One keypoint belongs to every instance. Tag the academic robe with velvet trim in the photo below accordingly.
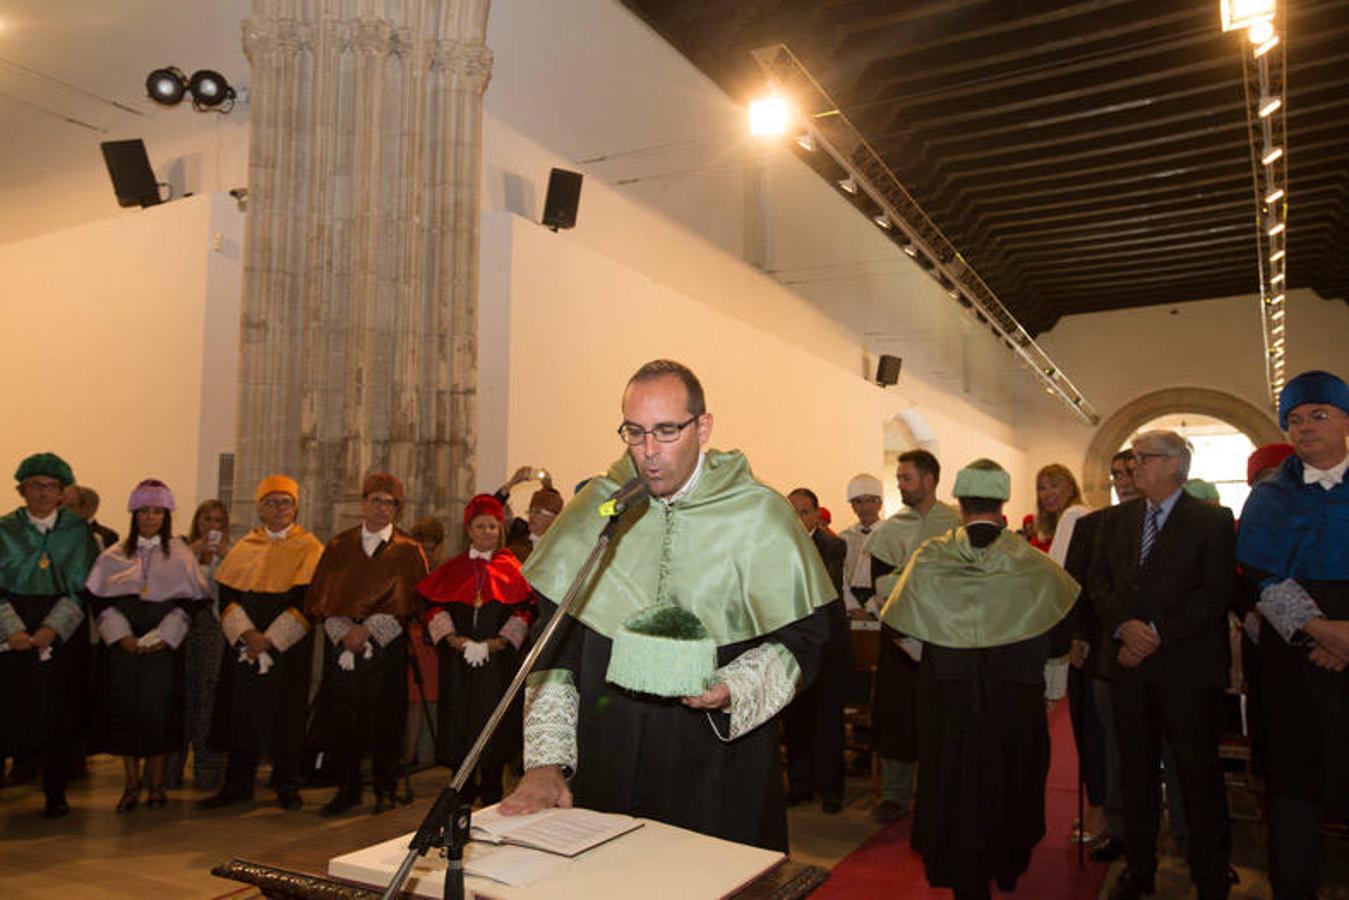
(266, 579)
(43, 701)
(983, 602)
(482, 598)
(1290, 529)
(364, 708)
(732, 551)
(140, 700)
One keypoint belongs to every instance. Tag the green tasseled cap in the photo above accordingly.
(1200, 489)
(48, 464)
(663, 650)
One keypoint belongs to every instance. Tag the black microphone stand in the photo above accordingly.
(448, 822)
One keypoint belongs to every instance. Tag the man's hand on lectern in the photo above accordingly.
(540, 788)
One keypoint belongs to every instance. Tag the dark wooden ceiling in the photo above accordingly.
(1081, 156)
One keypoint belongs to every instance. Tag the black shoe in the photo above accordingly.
(888, 811)
(56, 808)
(342, 801)
(1132, 887)
(1108, 849)
(384, 801)
(289, 799)
(831, 805)
(221, 798)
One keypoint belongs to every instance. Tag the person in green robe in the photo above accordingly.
(45, 555)
(984, 603)
(894, 704)
(711, 541)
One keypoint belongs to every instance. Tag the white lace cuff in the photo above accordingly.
(440, 626)
(552, 705)
(336, 627)
(10, 622)
(234, 622)
(112, 626)
(514, 631)
(762, 682)
(384, 628)
(287, 629)
(173, 628)
(1056, 678)
(65, 617)
(1287, 606)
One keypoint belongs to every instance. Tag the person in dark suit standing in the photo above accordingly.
(1162, 575)
(813, 722)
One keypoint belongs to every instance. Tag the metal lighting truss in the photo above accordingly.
(1265, 68)
(904, 220)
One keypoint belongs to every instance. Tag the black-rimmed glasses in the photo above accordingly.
(664, 432)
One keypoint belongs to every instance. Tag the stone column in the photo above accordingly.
(358, 332)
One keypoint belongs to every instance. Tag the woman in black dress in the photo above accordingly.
(143, 590)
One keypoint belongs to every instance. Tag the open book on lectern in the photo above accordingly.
(566, 832)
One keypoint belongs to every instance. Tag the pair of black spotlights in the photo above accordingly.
(209, 89)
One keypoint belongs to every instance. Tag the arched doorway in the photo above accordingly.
(1255, 423)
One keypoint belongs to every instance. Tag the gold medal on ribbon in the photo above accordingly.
(44, 562)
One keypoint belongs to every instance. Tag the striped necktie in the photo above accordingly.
(1149, 532)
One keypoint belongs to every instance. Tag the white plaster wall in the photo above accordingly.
(573, 324)
(118, 344)
(1116, 357)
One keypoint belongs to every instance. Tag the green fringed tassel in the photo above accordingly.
(664, 650)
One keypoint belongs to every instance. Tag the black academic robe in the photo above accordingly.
(983, 759)
(140, 703)
(656, 758)
(257, 713)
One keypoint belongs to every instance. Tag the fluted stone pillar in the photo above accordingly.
(358, 333)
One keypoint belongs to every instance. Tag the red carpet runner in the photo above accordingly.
(885, 866)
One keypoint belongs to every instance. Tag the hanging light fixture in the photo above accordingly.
(166, 85)
(210, 91)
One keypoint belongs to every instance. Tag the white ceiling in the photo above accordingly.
(72, 74)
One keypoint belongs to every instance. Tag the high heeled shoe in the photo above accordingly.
(156, 798)
(130, 798)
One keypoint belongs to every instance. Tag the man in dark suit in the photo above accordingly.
(813, 723)
(1162, 576)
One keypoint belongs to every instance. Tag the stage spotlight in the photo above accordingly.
(166, 85)
(210, 90)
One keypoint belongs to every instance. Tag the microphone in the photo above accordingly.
(634, 491)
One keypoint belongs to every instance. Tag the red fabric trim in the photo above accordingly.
(456, 581)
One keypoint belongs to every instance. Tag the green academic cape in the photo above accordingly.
(954, 594)
(901, 534)
(732, 551)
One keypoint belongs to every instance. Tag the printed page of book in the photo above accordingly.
(563, 831)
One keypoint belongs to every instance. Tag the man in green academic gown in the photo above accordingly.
(983, 602)
(894, 701)
(715, 542)
(45, 554)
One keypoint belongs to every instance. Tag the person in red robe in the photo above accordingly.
(478, 610)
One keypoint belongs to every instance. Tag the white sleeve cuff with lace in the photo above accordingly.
(112, 626)
(440, 626)
(65, 617)
(1287, 606)
(514, 631)
(1056, 678)
(173, 628)
(762, 681)
(287, 629)
(234, 622)
(384, 628)
(552, 705)
(336, 627)
(10, 622)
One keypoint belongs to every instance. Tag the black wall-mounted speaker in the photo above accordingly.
(887, 370)
(564, 196)
(132, 177)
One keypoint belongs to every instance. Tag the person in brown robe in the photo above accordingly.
(364, 590)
